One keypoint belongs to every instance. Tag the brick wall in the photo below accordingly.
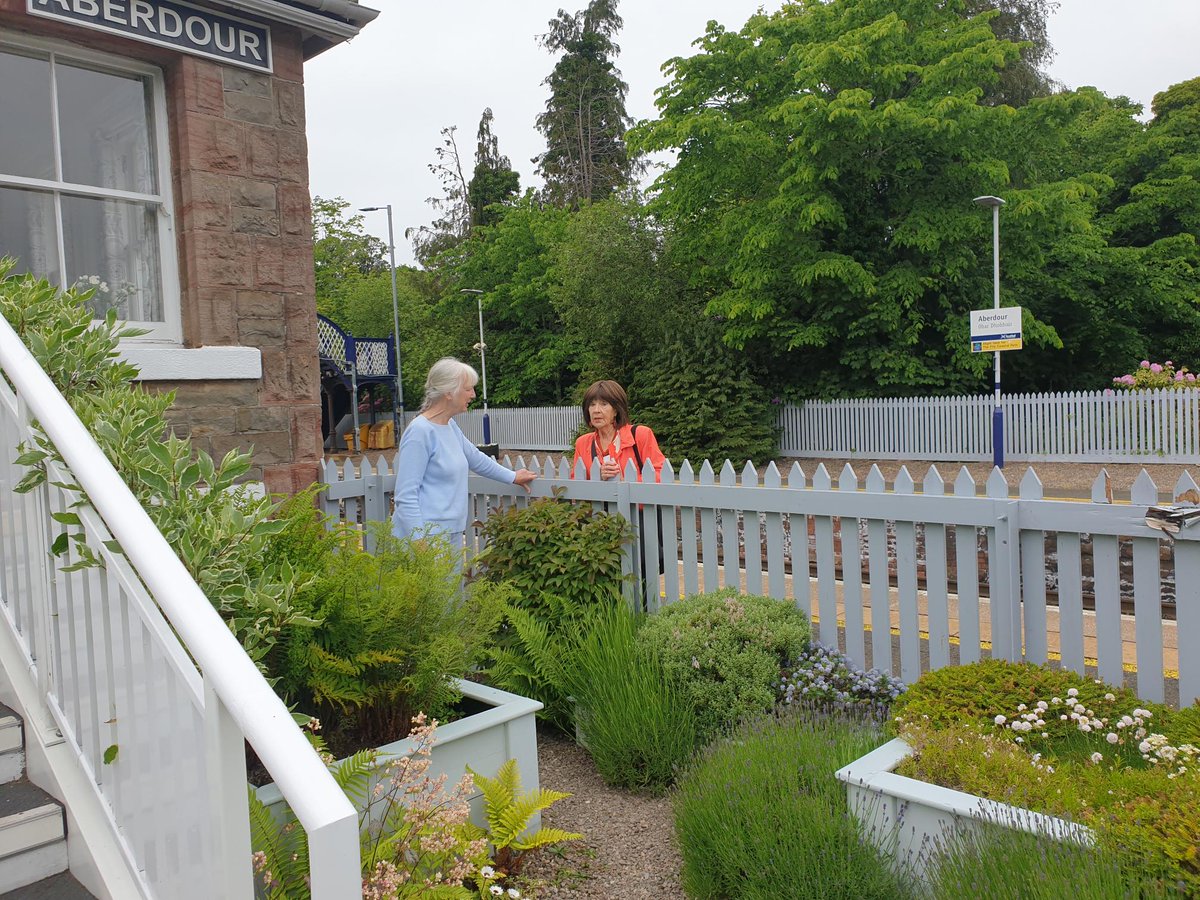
(243, 221)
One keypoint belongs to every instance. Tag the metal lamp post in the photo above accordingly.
(997, 413)
(482, 348)
(398, 405)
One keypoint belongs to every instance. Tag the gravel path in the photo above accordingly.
(628, 850)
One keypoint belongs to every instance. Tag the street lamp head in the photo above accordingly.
(988, 201)
(371, 208)
(470, 291)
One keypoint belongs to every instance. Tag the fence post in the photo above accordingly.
(375, 502)
(1004, 570)
(630, 556)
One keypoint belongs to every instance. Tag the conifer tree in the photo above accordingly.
(585, 118)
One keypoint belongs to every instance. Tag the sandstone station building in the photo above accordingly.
(158, 147)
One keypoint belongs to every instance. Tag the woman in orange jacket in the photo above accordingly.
(612, 439)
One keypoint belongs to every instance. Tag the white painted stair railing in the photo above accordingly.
(131, 659)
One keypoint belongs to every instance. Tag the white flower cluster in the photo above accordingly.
(1155, 750)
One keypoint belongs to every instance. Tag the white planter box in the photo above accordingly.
(912, 819)
(484, 741)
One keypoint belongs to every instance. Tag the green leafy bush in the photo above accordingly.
(761, 816)
(395, 631)
(563, 560)
(726, 651)
(982, 690)
(219, 530)
(640, 726)
(553, 547)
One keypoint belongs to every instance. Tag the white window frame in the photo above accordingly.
(169, 331)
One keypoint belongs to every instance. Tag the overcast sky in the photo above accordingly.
(376, 105)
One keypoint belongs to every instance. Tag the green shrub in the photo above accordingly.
(395, 631)
(761, 816)
(640, 728)
(980, 691)
(727, 652)
(554, 547)
(219, 530)
(563, 560)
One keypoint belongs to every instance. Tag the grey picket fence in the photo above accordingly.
(1082, 426)
(945, 571)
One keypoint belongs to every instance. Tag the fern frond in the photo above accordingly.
(353, 775)
(285, 848)
(543, 837)
(515, 817)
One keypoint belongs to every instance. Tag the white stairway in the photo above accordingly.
(33, 843)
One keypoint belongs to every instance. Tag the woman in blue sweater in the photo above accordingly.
(435, 457)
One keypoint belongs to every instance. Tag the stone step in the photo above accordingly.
(12, 746)
(58, 887)
(33, 827)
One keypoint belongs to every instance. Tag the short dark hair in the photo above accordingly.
(612, 394)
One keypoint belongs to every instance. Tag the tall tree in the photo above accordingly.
(827, 157)
(585, 119)
(454, 224)
(342, 252)
(494, 180)
(1024, 23)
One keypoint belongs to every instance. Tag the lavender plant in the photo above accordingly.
(823, 675)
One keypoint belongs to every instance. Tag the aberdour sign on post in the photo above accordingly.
(995, 329)
(168, 23)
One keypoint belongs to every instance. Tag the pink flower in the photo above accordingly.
(1168, 364)
(1155, 368)
(1189, 377)
(1128, 379)
(1108, 392)
(1145, 363)
(1179, 376)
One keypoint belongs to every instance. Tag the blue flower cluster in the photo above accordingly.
(824, 675)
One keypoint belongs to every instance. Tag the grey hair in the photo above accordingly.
(445, 377)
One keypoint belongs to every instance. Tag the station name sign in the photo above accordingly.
(168, 23)
(996, 329)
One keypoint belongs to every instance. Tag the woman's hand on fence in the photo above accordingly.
(609, 469)
(524, 477)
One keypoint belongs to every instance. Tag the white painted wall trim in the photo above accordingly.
(164, 363)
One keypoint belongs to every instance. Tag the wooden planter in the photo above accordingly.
(505, 728)
(913, 819)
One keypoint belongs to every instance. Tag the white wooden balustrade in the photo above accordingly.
(152, 694)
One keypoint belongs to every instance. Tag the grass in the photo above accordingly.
(998, 863)
(640, 728)
(760, 816)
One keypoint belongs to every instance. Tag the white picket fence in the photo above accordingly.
(1091, 426)
(963, 572)
(1159, 426)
